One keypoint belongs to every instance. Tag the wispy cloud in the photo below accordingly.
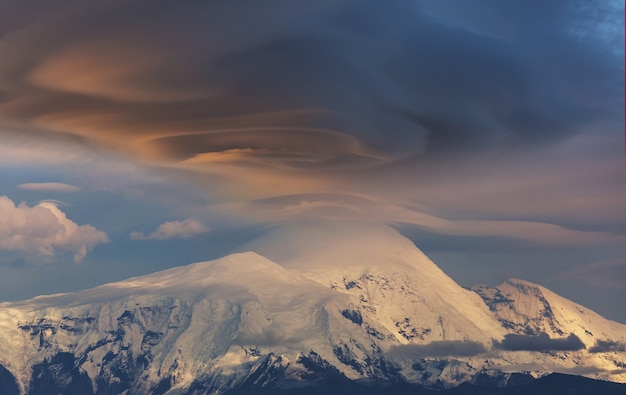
(48, 187)
(173, 230)
(609, 273)
(44, 230)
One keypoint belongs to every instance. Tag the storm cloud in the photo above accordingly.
(608, 346)
(540, 342)
(329, 85)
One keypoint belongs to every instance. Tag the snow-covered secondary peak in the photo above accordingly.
(241, 271)
(530, 311)
(529, 308)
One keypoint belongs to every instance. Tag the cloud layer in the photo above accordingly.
(44, 230)
(441, 110)
(438, 349)
(330, 85)
(610, 273)
(608, 346)
(540, 342)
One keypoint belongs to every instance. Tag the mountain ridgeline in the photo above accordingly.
(309, 311)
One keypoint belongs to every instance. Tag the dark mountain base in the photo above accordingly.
(554, 384)
(8, 384)
(60, 375)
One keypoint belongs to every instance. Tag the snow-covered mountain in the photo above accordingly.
(302, 305)
(593, 345)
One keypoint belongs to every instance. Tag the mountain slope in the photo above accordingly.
(409, 295)
(530, 309)
(182, 321)
(329, 304)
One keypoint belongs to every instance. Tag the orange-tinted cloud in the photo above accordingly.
(174, 82)
(402, 104)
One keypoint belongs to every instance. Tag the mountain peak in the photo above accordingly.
(238, 271)
(531, 309)
(331, 250)
(517, 282)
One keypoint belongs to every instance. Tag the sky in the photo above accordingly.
(140, 135)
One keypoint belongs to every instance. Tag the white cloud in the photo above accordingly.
(48, 187)
(173, 230)
(44, 230)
